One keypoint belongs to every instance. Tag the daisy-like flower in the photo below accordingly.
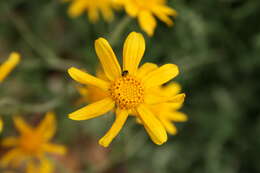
(5, 69)
(93, 8)
(167, 112)
(32, 145)
(9, 65)
(146, 11)
(129, 89)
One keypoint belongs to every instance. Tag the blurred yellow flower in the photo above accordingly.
(167, 112)
(93, 8)
(146, 11)
(32, 145)
(9, 65)
(128, 89)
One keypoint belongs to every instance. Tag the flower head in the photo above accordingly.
(32, 144)
(128, 89)
(93, 8)
(146, 11)
(9, 65)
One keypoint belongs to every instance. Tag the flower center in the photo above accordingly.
(127, 91)
(31, 144)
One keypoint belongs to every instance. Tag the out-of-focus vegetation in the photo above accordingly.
(217, 47)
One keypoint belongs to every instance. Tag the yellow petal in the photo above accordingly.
(170, 128)
(107, 13)
(147, 22)
(107, 59)
(163, 13)
(151, 98)
(44, 166)
(9, 65)
(131, 8)
(9, 142)
(133, 52)
(121, 116)
(93, 14)
(85, 78)
(155, 129)
(177, 117)
(77, 8)
(47, 127)
(179, 98)
(9, 157)
(93, 110)
(161, 75)
(152, 137)
(1, 125)
(146, 69)
(22, 126)
(171, 89)
(54, 148)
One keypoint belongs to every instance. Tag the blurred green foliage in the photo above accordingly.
(217, 47)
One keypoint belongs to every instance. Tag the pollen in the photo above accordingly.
(127, 91)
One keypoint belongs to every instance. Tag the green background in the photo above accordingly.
(216, 45)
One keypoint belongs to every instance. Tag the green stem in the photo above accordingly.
(117, 32)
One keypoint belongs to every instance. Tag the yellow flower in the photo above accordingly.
(8, 65)
(146, 11)
(128, 89)
(32, 145)
(93, 8)
(167, 112)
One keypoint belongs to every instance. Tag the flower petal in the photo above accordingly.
(54, 148)
(147, 22)
(93, 15)
(145, 69)
(107, 13)
(152, 137)
(76, 8)
(177, 116)
(133, 52)
(131, 9)
(85, 78)
(170, 127)
(93, 110)
(161, 75)
(154, 127)
(163, 13)
(9, 142)
(47, 127)
(107, 59)
(22, 126)
(156, 99)
(1, 125)
(9, 65)
(121, 117)
(10, 156)
(172, 89)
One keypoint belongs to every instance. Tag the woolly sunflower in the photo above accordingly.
(128, 89)
(93, 8)
(32, 145)
(146, 11)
